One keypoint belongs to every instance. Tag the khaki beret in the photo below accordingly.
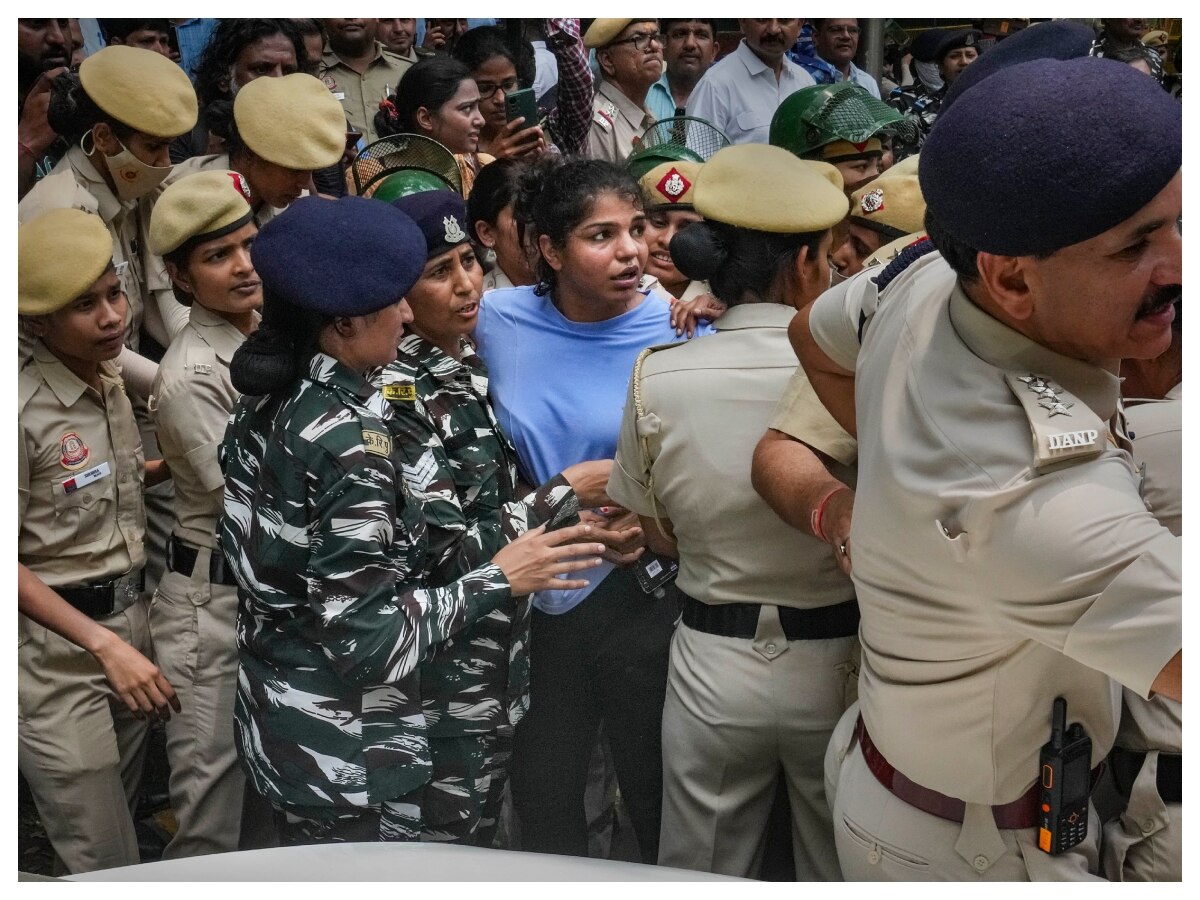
(828, 171)
(1156, 38)
(894, 202)
(205, 204)
(293, 121)
(141, 89)
(768, 189)
(669, 185)
(60, 254)
(603, 31)
(906, 166)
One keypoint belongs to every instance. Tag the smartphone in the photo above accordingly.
(521, 103)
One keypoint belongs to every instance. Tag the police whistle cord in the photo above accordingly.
(907, 257)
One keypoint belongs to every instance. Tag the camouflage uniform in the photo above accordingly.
(332, 622)
(475, 686)
(916, 101)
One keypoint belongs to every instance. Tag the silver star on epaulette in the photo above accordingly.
(1055, 406)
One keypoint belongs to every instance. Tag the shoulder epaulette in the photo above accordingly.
(1063, 428)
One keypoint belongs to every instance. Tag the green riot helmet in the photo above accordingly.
(402, 153)
(642, 161)
(408, 181)
(815, 116)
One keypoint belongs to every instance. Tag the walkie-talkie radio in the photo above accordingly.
(1066, 784)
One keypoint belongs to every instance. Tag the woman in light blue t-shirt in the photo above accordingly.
(560, 354)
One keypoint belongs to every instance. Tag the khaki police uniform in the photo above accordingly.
(616, 121)
(738, 708)
(993, 474)
(79, 493)
(75, 184)
(1146, 842)
(192, 616)
(360, 94)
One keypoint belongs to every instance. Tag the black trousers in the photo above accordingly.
(603, 661)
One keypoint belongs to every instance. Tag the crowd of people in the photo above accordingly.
(457, 434)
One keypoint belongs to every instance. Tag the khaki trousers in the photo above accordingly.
(882, 838)
(78, 746)
(738, 711)
(192, 623)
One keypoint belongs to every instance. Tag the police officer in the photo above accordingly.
(283, 130)
(668, 202)
(82, 633)
(764, 658)
(326, 543)
(630, 55)
(475, 688)
(1004, 556)
(203, 227)
(955, 50)
(836, 123)
(885, 210)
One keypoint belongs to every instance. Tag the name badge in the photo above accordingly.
(339, 95)
(399, 392)
(83, 479)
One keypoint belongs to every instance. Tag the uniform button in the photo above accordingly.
(873, 856)
(981, 862)
(770, 648)
(1148, 826)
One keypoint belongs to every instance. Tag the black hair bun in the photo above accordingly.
(698, 251)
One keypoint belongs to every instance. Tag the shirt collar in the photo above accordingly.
(755, 315)
(440, 365)
(66, 385)
(324, 369)
(1001, 346)
(330, 58)
(218, 333)
(756, 66)
(108, 206)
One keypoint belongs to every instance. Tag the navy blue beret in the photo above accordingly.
(955, 38)
(345, 257)
(441, 216)
(1046, 40)
(925, 44)
(1048, 153)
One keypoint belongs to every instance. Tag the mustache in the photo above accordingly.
(1160, 299)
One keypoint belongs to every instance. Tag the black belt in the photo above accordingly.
(181, 558)
(1126, 764)
(99, 601)
(740, 620)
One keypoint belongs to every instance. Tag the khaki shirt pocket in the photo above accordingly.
(85, 516)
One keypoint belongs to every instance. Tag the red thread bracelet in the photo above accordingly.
(817, 514)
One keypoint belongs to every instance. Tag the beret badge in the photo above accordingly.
(673, 185)
(872, 201)
(454, 232)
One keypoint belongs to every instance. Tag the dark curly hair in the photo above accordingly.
(735, 260)
(227, 41)
(72, 113)
(555, 195)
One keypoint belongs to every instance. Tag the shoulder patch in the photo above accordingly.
(400, 392)
(601, 118)
(376, 442)
(1063, 428)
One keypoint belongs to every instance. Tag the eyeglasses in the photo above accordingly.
(487, 89)
(641, 41)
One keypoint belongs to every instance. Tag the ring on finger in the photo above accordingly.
(842, 549)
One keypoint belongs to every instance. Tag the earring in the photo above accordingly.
(83, 137)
